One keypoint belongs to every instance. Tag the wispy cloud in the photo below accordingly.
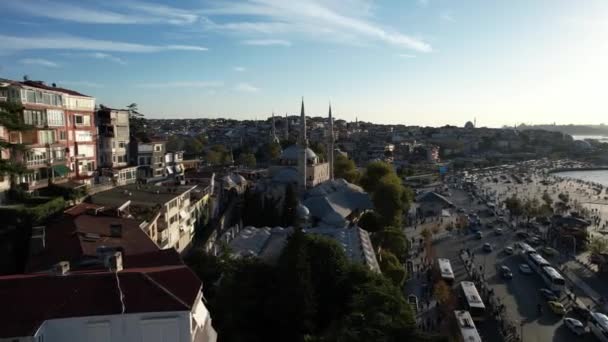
(239, 68)
(447, 16)
(130, 12)
(327, 20)
(81, 84)
(181, 84)
(97, 55)
(39, 62)
(12, 43)
(406, 55)
(423, 3)
(267, 42)
(246, 87)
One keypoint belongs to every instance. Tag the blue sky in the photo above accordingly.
(417, 62)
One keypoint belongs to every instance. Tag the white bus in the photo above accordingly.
(598, 324)
(468, 332)
(553, 279)
(472, 300)
(537, 262)
(445, 268)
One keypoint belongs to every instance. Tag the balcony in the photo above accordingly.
(45, 162)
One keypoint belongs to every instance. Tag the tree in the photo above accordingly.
(442, 292)
(564, 197)
(319, 149)
(547, 199)
(137, 123)
(247, 159)
(10, 119)
(175, 143)
(391, 267)
(289, 206)
(345, 168)
(393, 240)
(373, 172)
(426, 234)
(531, 208)
(514, 205)
(370, 221)
(598, 245)
(192, 147)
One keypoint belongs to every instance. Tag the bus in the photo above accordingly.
(598, 324)
(472, 300)
(468, 332)
(537, 262)
(526, 249)
(445, 268)
(553, 279)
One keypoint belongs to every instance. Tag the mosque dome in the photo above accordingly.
(469, 125)
(292, 153)
(302, 212)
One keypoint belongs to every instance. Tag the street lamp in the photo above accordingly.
(521, 331)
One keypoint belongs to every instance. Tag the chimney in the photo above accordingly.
(61, 268)
(113, 261)
(116, 230)
(54, 85)
(37, 240)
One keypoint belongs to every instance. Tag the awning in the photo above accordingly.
(60, 170)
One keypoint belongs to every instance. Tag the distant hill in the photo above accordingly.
(570, 129)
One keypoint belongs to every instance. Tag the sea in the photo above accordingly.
(596, 176)
(600, 138)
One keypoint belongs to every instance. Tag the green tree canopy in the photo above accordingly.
(370, 221)
(391, 267)
(373, 172)
(247, 159)
(393, 240)
(345, 168)
(514, 205)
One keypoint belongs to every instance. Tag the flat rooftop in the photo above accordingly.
(140, 195)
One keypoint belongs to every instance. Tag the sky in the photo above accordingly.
(413, 62)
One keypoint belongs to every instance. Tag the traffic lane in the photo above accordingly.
(521, 296)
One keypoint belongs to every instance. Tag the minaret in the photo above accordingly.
(286, 127)
(273, 132)
(330, 145)
(302, 146)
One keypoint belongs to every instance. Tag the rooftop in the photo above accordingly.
(140, 195)
(77, 239)
(35, 298)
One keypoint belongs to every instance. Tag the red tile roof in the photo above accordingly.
(76, 240)
(29, 300)
(39, 85)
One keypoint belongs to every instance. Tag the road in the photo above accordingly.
(519, 295)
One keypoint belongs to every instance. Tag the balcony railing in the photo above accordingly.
(47, 162)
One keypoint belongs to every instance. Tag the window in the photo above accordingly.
(39, 97)
(84, 136)
(58, 154)
(62, 135)
(157, 148)
(46, 99)
(31, 96)
(121, 144)
(46, 137)
(55, 117)
(34, 117)
(82, 120)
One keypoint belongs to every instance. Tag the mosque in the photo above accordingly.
(300, 165)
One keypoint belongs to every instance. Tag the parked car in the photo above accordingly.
(478, 235)
(548, 294)
(557, 307)
(509, 250)
(581, 312)
(522, 235)
(533, 241)
(487, 247)
(549, 251)
(525, 269)
(576, 326)
(498, 231)
(506, 272)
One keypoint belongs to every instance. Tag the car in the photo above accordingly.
(549, 251)
(533, 241)
(498, 231)
(461, 210)
(489, 225)
(548, 294)
(556, 307)
(525, 269)
(487, 247)
(506, 272)
(522, 234)
(413, 300)
(581, 312)
(576, 326)
(478, 235)
(509, 250)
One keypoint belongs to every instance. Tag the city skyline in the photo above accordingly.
(415, 63)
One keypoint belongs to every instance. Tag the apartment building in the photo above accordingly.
(54, 153)
(149, 156)
(113, 142)
(170, 213)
